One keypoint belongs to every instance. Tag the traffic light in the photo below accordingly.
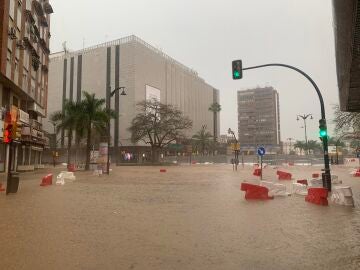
(16, 134)
(8, 128)
(237, 69)
(323, 129)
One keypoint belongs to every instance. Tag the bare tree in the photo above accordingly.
(158, 125)
(346, 121)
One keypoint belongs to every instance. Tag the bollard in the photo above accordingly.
(1, 188)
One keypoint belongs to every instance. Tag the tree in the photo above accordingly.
(93, 116)
(300, 145)
(215, 108)
(202, 139)
(313, 146)
(346, 121)
(67, 120)
(83, 117)
(158, 125)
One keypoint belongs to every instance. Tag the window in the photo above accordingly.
(12, 9)
(15, 101)
(19, 15)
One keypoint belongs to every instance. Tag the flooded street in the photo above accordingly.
(192, 217)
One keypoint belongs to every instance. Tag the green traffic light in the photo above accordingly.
(236, 74)
(323, 133)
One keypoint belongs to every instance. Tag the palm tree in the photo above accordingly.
(93, 116)
(215, 108)
(300, 145)
(67, 120)
(202, 138)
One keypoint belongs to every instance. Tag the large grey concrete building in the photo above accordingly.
(143, 70)
(259, 119)
(347, 41)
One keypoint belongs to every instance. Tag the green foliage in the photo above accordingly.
(215, 107)
(158, 125)
(84, 117)
(202, 140)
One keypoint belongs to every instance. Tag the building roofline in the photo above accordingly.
(62, 55)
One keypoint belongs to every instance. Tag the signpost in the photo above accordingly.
(261, 152)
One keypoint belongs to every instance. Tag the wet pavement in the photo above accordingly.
(191, 217)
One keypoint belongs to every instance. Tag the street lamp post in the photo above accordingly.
(111, 94)
(304, 117)
(236, 151)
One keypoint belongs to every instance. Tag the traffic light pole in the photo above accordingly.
(327, 172)
(9, 165)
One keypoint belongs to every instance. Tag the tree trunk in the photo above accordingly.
(69, 147)
(88, 149)
(215, 131)
(155, 154)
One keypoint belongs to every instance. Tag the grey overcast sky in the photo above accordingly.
(207, 35)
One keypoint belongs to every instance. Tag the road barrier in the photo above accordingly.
(257, 172)
(299, 189)
(162, 170)
(317, 196)
(274, 188)
(255, 192)
(303, 182)
(47, 180)
(315, 175)
(283, 175)
(342, 196)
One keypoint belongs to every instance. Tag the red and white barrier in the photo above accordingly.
(274, 188)
(317, 196)
(255, 192)
(299, 189)
(342, 196)
(47, 180)
(283, 175)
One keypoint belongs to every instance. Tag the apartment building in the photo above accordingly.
(259, 119)
(24, 62)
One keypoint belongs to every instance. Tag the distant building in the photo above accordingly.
(259, 120)
(24, 58)
(225, 138)
(143, 70)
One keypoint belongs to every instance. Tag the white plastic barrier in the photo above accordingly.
(60, 179)
(299, 189)
(316, 183)
(275, 189)
(342, 196)
(335, 180)
(97, 172)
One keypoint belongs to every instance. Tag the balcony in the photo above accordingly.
(36, 108)
(38, 8)
(47, 7)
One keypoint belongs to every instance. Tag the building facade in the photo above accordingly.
(24, 59)
(143, 70)
(259, 120)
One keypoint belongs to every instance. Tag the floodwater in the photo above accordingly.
(191, 217)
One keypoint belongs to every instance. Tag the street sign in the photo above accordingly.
(261, 151)
(235, 146)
